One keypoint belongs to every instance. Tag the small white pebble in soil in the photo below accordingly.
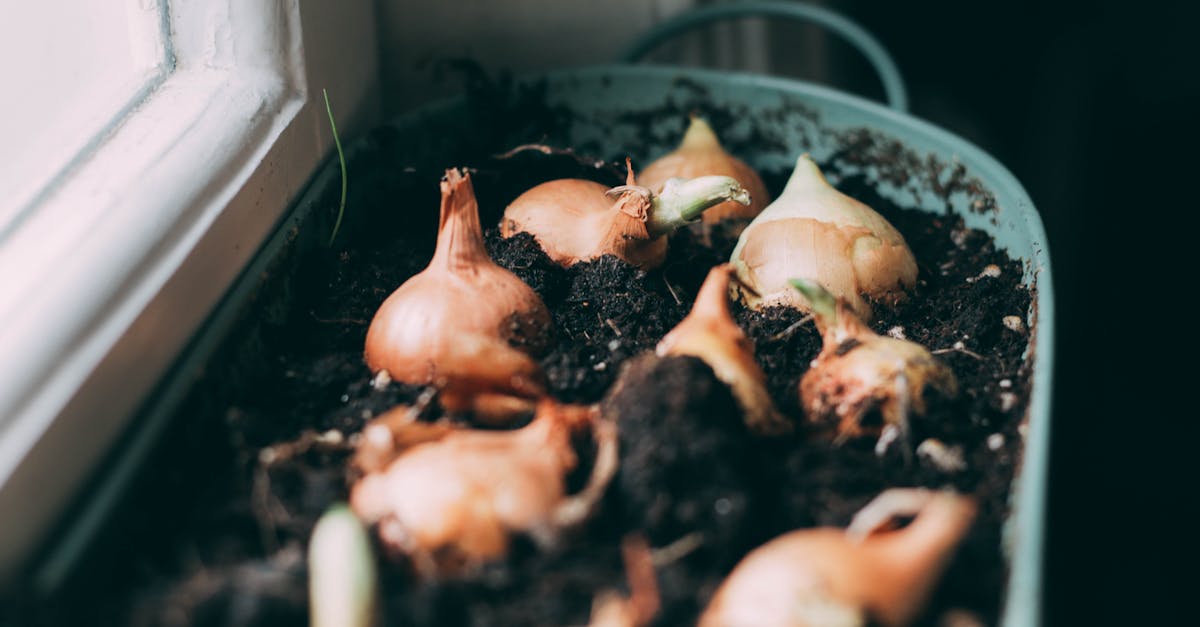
(367, 414)
(377, 435)
(1005, 384)
(1023, 429)
(723, 506)
(600, 367)
(614, 345)
(381, 380)
(896, 332)
(944, 458)
(1007, 401)
(959, 346)
(1014, 323)
(267, 456)
(332, 436)
(991, 271)
(995, 441)
(345, 398)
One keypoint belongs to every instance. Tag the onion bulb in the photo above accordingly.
(576, 220)
(700, 154)
(831, 577)
(463, 324)
(452, 497)
(710, 333)
(858, 370)
(813, 230)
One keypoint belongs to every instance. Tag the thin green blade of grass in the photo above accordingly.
(342, 162)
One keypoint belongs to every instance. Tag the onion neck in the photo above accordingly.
(805, 177)
(683, 201)
(460, 235)
(700, 136)
(552, 427)
(712, 303)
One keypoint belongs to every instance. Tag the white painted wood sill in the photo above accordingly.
(125, 253)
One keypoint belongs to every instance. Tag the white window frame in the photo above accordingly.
(122, 259)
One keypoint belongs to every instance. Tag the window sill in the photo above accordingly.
(107, 280)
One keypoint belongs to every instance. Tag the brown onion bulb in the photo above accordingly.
(576, 220)
(451, 498)
(858, 370)
(458, 323)
(830, 577)
(710, 333)
(699, 154)
(813, 230)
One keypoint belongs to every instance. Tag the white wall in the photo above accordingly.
(529, 35)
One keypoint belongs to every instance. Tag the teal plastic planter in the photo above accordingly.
(912, 161)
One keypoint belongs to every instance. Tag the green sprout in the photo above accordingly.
(343, 588)
(342, 162)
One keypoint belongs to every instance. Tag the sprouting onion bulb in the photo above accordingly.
(858, 370)
(342, 587)
(458, 323)
(813, 230)
(576, 220)
(451, 498)
(831, 577)
(710, 333)
(701, 154)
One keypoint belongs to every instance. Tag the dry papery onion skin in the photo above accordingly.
(577, 220)
(858, 576)
(710, 333)
(858, 371)
(458, 323)
(450, 498)
(611, 609)
(700, 154)
(813, 230)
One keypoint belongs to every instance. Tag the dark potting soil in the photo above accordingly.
(215, 529)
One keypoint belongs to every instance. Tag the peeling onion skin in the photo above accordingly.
(813, 230)
(827, 577)
(858, 370)
(454, 324)
(611, 609)
(710, 333)
(454, 498)
(700, 153)
(576, 220)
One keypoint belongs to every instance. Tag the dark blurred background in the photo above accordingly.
(1091, 105)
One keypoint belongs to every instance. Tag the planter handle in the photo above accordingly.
(863, 41)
